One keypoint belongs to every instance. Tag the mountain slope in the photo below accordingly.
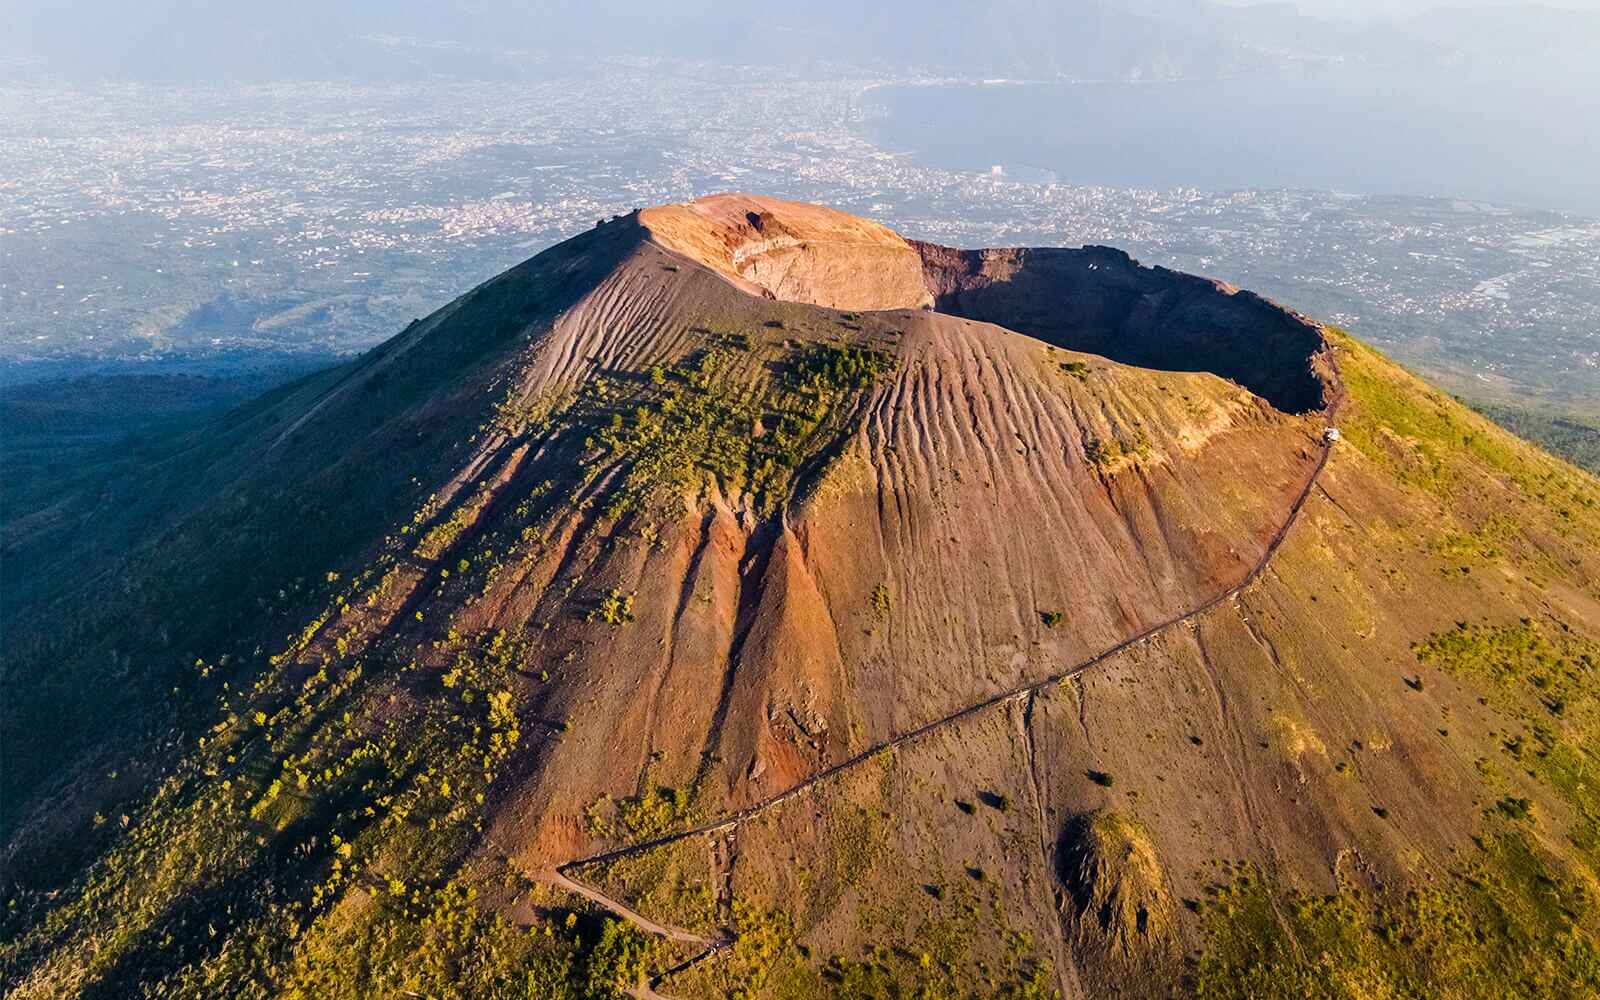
(699, 600)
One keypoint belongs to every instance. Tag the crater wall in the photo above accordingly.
(1096, 300)
(1101, 301)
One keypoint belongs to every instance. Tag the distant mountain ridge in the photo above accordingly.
(182, 41)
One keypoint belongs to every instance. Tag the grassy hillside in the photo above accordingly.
(1572, 437)
(1513, 907)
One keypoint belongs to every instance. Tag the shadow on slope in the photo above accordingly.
(1101, 301)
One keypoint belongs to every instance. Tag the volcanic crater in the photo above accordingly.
(1095, 300)
(835, 613)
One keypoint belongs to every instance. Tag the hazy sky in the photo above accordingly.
(1396, 8)
(202, 40)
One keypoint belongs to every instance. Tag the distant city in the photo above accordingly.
(217, 229)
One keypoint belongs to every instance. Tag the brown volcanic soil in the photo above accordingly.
(967, 495)
(1059, 614)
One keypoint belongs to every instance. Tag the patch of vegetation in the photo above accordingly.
(712, 417)
(855, 838)
(441, 537)
(766, 959)
(1513, 655)
(828, 368)
(1508, 922)
(1480, 545)
(616, 608)
(1051, 619)
(936, 958)
(881, 602)
(618, 962)
(1573, 437)
(444, 945)
(1514, 808)
(1544, 676)
(640, 817)
(314, 790)
(932, 959)
(1109, 455)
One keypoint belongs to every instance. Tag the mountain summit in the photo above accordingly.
(742, 599)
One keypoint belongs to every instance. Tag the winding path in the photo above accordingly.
(560, 875)
(639, 920)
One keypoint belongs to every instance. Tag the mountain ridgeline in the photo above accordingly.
(740, 599)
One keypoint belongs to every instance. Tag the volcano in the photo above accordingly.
(741, 599)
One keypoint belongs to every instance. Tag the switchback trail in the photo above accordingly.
(560, 875)
(639, 920)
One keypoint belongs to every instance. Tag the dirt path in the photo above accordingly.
(556, 878)
(559, 877)
(1013, 694)
(646, 988)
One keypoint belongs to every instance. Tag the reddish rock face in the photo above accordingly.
(794, 252)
